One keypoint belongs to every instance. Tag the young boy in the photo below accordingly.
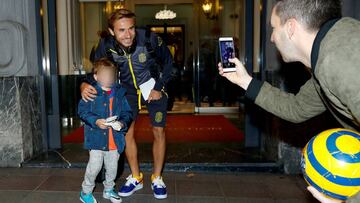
(107, 119)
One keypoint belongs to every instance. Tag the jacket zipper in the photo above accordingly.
(134, 80)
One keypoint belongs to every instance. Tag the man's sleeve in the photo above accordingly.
(89, 78)
(165, 57)
(100, 52)
(294, 108)
(354, 199)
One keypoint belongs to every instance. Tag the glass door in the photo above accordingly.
(206, 123)
(216, 19)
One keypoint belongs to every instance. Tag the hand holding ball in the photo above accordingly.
(331, 163)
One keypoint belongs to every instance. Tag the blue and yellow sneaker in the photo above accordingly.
(158, 186)
(132, 185)
(112, 196)
(87, 198)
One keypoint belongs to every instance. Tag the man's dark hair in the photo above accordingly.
(119, 14)
(311, 13)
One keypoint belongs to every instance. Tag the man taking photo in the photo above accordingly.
(313, 33)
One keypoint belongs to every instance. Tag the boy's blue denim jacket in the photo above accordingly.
(95, 137)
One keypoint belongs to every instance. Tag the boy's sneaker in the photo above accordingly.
(112, 196)
(87, 198)
(132, 185)
(159, 188)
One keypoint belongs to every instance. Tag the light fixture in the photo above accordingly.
(112, 5)
(165, 14)
(119, 5)
(211, 10)
(207, 6)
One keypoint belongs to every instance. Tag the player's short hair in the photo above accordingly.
(119, 14)
(311, 13)
(103, 64)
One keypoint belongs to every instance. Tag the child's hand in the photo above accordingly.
(101, 123)
(117, 125)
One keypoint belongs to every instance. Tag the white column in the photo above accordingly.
(64, 41)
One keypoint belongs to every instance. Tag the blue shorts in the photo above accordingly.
(157, 109)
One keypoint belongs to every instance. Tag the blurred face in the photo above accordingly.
(105, 77)
(124, 31)
(281, 38)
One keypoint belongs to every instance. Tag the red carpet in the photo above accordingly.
(180, 128)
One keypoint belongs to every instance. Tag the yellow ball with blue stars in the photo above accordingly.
(331, 163)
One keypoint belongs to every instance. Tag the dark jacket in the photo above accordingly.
(89, 112)
(137, 65)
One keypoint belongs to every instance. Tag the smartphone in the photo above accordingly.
(227, 51)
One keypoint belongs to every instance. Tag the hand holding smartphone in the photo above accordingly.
(227, 51)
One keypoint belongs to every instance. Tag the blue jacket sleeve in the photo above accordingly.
(85, 114)
(163, 54)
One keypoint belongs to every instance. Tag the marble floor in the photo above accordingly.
(42, 185)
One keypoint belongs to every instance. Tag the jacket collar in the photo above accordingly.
(115, 88)
(317, 42)
(99, 89)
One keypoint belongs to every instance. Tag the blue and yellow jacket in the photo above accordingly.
(95, 137)
(137, 64)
